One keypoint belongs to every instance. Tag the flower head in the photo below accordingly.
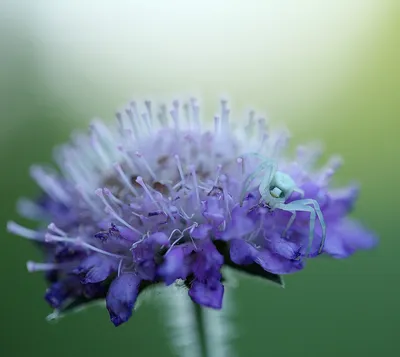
(159, 199)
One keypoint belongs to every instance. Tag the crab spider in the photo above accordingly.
(275, 188)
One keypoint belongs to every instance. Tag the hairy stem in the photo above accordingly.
(196, 331)
(201, 329)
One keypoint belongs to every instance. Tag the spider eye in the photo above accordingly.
(276, 192)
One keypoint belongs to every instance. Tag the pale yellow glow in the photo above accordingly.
(267, 53)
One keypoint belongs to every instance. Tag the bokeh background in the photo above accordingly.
(327, 69)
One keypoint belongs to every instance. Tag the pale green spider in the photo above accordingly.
(275, 188)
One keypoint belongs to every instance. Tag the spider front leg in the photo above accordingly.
(319, 214)
(300, 207)
(289, 224)
(321, 219)
(293, 217)
(265, 165)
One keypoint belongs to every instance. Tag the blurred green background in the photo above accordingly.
(329, 70)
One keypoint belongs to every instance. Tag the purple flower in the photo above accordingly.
(159, 199)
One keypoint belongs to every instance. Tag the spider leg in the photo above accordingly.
(257, 155)
(300, 191)
(320, 216)
(293, 217)
(299, 206)
(265, 182)
(291, 220)
(246, 184)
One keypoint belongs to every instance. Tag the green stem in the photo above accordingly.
(199, 317)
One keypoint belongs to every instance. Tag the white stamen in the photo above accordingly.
(50, 238)
(49, 184)
(103, 133)
(175, 114)
(115, 199)
(262, 130)
(146, 120)
(132, 165)
(99, 149)
(34, 267)
(134, 126)
(195, 109)
(19, 230)
(224, 116)
(100, 192)
(330, 168)
(175, 119)
(219, 167)
(217, 124)
(120, 267)
(134, 245)
(178, 163)
(140, 181)
(109, 210)
(148, 107)
(249, 128)
(280, 143)
(125, 178)
(55, 229)
(193, 172)
(173, 232)
(187, 115)
(191, 228)
(77, 175)
(225, 193)
(239, 161)
(84, 194)
(162, 116)
(29, 209)
(185, 215)
(146, 164)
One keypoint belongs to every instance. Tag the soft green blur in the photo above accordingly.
(330, 72)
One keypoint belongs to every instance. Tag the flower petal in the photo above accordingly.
(277, 264)
(174, 267)
(121, 297)
(346, 238)
(238, 227)
(241, 252)
(201, 232)
(95, 268)
(208, 294)
(213, 212)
